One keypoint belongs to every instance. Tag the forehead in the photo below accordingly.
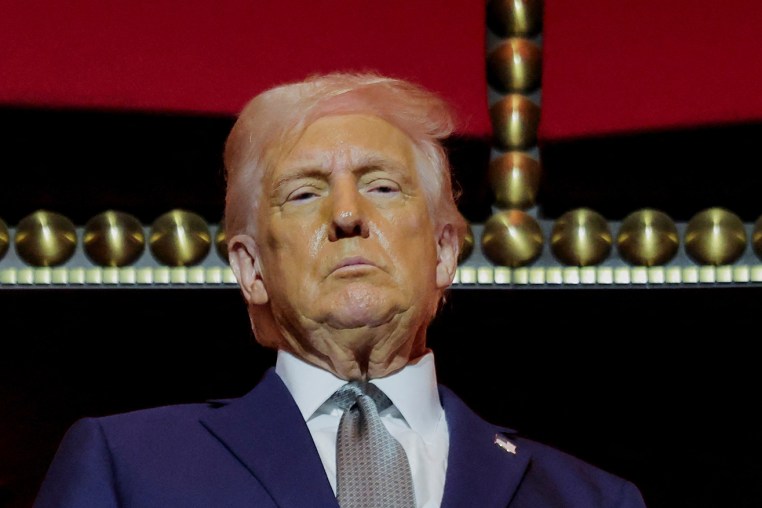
(333, 142)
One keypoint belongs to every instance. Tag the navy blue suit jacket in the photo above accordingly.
(256, 451)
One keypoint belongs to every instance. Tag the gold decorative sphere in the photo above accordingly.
(113, 238)
(647, 237)
(220, 241)
(180, 238)
(515, 119)
(514, 178)
(581, 237)
(512, 238)
(715, 236)
(515, 17)
(515, 66)
(4, 238)
(756, 237)
(45, 238)
(468, 245)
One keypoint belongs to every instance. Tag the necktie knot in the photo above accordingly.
(348, 395)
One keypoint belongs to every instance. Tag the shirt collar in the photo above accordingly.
(412, 390)
(309, 385)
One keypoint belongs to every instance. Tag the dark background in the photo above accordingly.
(657, 385)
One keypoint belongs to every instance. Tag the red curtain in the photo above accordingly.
(210, 57)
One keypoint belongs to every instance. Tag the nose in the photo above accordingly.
(348, 217)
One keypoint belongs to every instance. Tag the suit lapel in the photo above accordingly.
(266, 433)
(479, 472)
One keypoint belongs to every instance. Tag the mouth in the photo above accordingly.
(354, 265)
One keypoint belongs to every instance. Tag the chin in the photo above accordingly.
(363, 305)
(359, 317)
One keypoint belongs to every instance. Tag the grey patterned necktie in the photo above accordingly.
(372, 467)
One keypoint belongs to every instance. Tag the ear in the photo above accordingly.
(447, 256)
(244, 261)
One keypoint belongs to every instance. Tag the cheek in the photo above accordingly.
(295, 245)
(317, 237)
(382, 238)
(409, 242)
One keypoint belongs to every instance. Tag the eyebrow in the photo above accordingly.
(308, 172)
(366, 163)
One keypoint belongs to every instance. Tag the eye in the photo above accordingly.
(383, 187)
(302, 195)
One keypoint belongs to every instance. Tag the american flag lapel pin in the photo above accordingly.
(503, 443)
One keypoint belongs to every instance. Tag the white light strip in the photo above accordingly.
(466, 276)
(117, 277)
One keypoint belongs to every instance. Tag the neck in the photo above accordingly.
(361, 353)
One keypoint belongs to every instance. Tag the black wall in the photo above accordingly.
(657, 385)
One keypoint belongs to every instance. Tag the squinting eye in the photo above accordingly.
(301, 195)
(384, 188)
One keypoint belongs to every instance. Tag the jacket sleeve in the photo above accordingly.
(81, 473)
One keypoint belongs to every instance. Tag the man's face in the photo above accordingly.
(344, 237)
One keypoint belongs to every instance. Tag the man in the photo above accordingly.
(343, 235)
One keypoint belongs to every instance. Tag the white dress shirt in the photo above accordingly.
(416, 418)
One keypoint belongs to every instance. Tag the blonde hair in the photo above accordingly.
(275, 118)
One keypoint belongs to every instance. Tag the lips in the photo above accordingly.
(353, 264)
